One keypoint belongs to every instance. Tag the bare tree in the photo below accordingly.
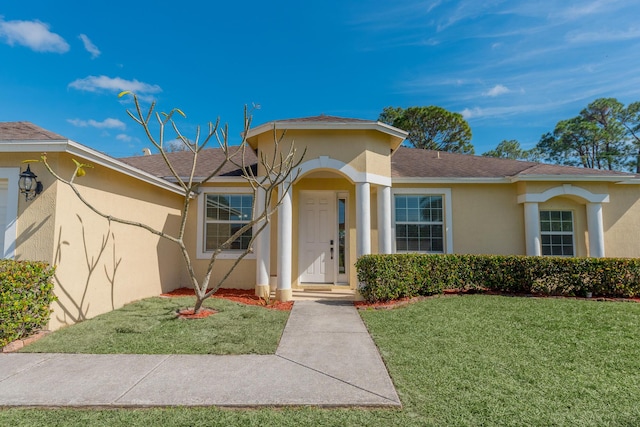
(280, 169)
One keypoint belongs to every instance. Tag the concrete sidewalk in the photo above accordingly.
(325, 358)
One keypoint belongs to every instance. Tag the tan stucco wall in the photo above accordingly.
(365, 151)
(621, 218)
(486, 217)
(57, 228)
(36, 218)
(88, 249)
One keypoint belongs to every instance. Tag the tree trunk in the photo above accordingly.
(198, 305)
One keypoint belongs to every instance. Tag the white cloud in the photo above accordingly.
(89, 46)
(114, 85)
(497, 90)
(604, 36)
(469, 113)
(124, 137)
(587, 9)
(105, 124)
(32, 34)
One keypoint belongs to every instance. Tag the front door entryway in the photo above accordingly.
(318, 248)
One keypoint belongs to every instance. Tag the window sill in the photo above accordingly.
(226, 255)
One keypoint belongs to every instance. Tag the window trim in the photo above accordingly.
(446, 205)
(558, 233)
(201, 253)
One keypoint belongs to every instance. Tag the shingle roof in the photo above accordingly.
(418, 163)
(208, 160)
(322, 118)
(26, 131)
(405, 163)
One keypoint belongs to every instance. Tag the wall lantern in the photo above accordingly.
(29, 185)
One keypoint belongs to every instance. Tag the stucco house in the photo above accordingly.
(358, 191)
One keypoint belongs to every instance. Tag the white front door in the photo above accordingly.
(317, 236)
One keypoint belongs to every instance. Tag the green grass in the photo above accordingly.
(150, 326)
(471, 360)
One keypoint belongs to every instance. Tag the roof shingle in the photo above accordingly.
(26, 131)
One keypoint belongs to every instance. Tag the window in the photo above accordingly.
(419, 222)
(556, 232)
(225, 214)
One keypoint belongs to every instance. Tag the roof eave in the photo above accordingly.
(124, 168)
(450, 180)
(76, 149)
(397, 135)
(580, 178)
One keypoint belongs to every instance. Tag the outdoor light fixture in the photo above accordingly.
(29, 185)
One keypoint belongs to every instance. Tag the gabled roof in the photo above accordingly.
(323, 122)
(25, 137)
(26, 131)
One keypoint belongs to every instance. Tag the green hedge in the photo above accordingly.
(26, 294)
(387, 277)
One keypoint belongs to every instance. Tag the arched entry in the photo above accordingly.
(593, 204)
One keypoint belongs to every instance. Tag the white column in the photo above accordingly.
(532, 229)
(384, 219)
(285, 233)
(363, 219)
(596, 230)
(262, 247)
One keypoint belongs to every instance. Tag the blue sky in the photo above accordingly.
(512, 68)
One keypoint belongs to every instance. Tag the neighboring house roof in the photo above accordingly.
(25, 137)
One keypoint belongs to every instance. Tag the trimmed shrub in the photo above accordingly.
(386, 277)
(26, 294)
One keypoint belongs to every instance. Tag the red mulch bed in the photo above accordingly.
(243, 296)
(382, 305)
(187, 313)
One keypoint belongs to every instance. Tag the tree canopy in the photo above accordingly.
(605, 135)
(431, 128)
(510, 149)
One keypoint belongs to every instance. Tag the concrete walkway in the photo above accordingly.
(325, 358)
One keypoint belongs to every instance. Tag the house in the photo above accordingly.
(358, 191)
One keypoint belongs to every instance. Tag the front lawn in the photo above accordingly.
(150, 327)
(493, 360)
(460, 360)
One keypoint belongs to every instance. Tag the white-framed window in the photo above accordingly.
(556, 233)
(422, 220)
(221, 213)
